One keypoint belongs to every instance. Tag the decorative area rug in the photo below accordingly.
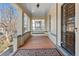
(38, 52)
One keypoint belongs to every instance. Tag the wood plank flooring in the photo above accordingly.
(38, 42)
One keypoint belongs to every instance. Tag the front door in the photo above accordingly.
(67, 27)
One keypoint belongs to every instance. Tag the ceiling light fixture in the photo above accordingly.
(37, 5)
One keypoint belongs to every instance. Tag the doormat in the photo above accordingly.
(38, 52)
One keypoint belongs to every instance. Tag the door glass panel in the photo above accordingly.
(68, 26)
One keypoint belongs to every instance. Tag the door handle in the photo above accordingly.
(76, 29)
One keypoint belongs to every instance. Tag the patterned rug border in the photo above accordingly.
(37, 49)
(34, 48)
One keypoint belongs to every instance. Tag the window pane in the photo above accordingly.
(38, 25)
(8, 17)
(26, 23)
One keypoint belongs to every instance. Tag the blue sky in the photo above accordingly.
(4, 6)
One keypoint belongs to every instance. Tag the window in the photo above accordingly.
(26, 23)
(38, 25)
(49, 23)
(8, 17)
